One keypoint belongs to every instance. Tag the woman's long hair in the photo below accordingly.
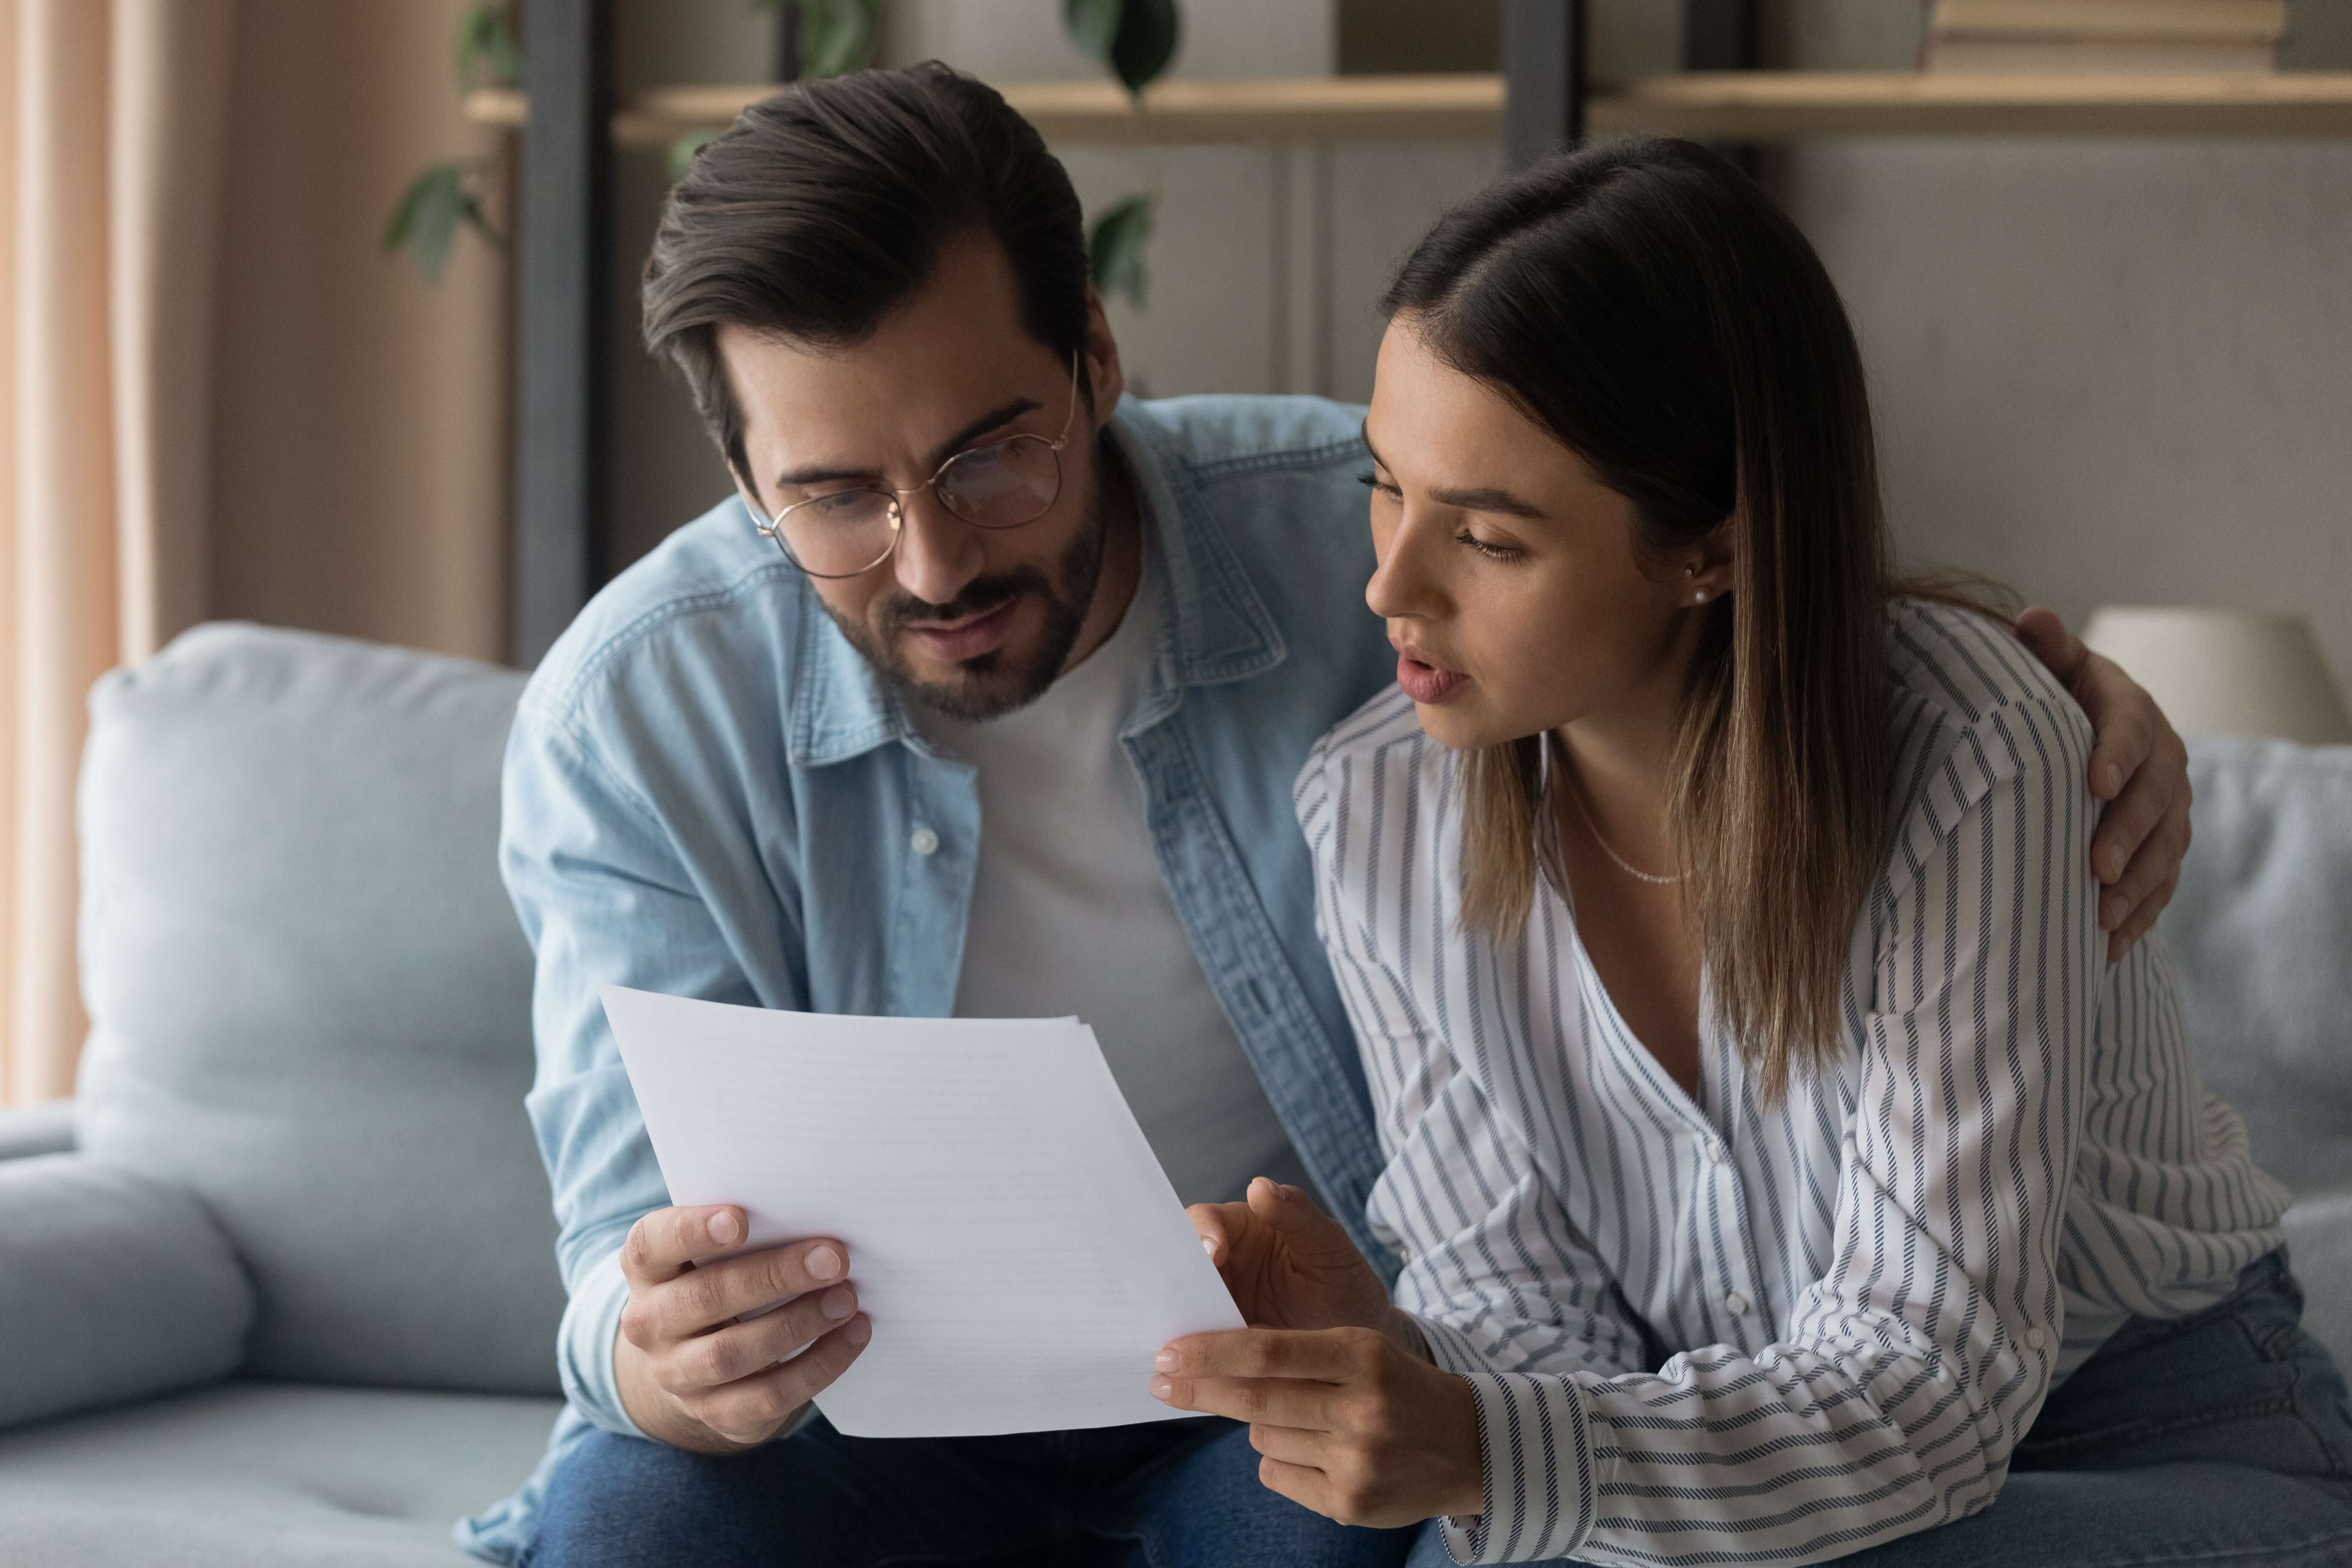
(1644, 302)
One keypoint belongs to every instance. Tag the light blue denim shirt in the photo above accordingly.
(709, 793)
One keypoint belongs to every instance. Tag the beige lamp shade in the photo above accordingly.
(2227, 672)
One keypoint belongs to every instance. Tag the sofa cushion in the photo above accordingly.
(309, 997)
(258, 1474)
(2262, 932)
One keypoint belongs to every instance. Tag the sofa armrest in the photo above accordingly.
(2319, 1246)
(113, 1286)
(36, 1129)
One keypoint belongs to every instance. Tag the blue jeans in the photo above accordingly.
(1166, 1494)
(2219, 1438)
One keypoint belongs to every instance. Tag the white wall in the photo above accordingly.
(2112, 370)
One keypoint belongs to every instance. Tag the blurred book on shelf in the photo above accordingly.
(2102, 37)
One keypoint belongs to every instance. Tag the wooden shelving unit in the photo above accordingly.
(1734, 106)
(1540, 101)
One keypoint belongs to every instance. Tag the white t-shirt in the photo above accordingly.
(1070, 915)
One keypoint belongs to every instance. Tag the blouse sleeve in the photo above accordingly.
(1912, 1368)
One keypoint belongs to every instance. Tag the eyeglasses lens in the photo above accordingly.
(1004, 484)
(841, 535)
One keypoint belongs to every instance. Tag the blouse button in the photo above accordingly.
(2035, 1339)
(1737, 1304)
(1715, 1149)
(924, 841)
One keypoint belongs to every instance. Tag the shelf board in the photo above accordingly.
(1732, 106)
(1776, 106)
(1176, 113)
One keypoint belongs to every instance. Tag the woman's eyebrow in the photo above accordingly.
(1481, 498)
(1486, 497)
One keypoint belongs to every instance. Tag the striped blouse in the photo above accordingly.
(1861, 1298)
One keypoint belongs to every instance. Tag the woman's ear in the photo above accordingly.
(1707, 568)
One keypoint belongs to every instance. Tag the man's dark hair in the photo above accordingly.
(824, 208)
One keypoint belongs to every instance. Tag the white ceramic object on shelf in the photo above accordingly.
(2227, 672)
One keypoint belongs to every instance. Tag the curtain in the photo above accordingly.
(112, 169)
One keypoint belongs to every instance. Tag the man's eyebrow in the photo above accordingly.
(1483, 497)
(802, 478)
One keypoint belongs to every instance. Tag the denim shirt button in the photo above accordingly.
(924, 841)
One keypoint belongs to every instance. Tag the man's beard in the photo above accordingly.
(997, 682)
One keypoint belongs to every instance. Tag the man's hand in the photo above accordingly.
(694, 1376)
(1288, 1264)
(1348, 1424)
(2137, 766)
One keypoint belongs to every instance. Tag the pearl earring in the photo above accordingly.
(1698, 596)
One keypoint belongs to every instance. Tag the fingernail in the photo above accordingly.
(1209, 1247)
(838, 1302)
(823, 1263)
(859, 1331)
(2115, 777)
(1165, 1360)
(1161, 1387)
(2117, 910)
(723, 1228)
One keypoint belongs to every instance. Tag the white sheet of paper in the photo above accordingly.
(1010, 1232)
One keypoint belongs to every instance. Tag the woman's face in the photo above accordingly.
(1508, 575)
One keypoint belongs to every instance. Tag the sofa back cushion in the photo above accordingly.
(2262, 931)
(310, 998)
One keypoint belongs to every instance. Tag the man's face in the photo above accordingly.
(972, 622)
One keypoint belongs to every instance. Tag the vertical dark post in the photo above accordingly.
(788, 42)
(1544, 67)
(567, 183)
(1719, 34)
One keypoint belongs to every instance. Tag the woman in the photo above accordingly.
(1780, 1171)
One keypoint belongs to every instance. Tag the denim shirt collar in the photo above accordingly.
(1214, 628)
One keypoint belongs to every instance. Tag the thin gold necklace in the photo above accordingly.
(1575, 794)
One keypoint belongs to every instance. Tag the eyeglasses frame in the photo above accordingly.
(774, 527)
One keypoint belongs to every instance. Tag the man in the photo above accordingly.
(985, 698)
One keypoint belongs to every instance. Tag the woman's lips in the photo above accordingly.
(1426, 682)
(982, 633)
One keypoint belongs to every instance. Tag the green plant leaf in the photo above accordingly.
(1136, 38)
(838, 35)
(1092, 24)
(1115, 247)
(426, 219)
(487, 44)
(682, 150)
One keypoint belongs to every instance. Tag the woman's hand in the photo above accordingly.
(1349, 1423)
(1288, 1264)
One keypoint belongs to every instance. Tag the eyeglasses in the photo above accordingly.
(1005, 484)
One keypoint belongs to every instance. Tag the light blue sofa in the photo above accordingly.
(280, 1289)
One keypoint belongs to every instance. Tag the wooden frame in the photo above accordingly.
(1541, 102)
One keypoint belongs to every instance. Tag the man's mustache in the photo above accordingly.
(979, 597)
